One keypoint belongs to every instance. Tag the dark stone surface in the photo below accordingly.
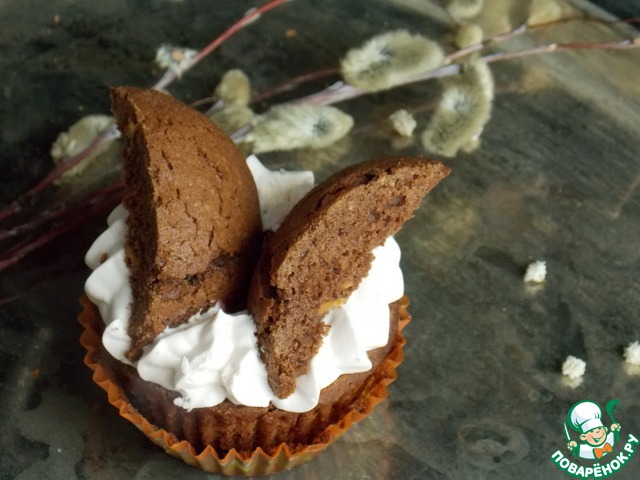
(480, 394)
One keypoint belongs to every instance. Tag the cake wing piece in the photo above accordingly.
(322, 251)
(194, 219)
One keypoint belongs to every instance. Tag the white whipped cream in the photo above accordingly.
(214, 356)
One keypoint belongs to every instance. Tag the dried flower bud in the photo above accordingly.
(463, 111)
(234, 88)
(176, 59)
(388, 59)
(287, 127)
(403, 122)
(464, 9)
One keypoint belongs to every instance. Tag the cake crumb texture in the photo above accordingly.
(194, 221)
(321, 252)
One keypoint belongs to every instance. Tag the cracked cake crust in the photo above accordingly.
(185, 251)
(323, 250)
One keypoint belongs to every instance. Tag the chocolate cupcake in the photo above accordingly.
(233, 375)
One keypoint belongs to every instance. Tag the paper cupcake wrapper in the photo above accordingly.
(257, 462)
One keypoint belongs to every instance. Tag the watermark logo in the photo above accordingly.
(601, 450)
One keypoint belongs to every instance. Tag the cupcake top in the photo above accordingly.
(179, 261)
(214, 356)
(194, 227)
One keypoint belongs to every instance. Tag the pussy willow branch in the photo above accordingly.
(284, 87)
(523, 28)
(63, 210)
(336, 93)
(111, 132)
(295, 82)
(562, 47)
(340, 91)
(170, 76)
(22, 249)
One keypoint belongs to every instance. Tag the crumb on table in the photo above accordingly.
(573, 367)
(632, 353)
(536, 272)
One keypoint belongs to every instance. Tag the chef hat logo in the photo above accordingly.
(585, 416)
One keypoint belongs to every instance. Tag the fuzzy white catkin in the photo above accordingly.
(176, 59)
(388, 59)
(232, 117)
(288, 127)
(234, 88)
(463, 111)
(467, 35)
(464, 9)
(541, 11)
(79, 136)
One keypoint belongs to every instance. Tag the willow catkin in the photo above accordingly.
(175, 59)
(387, 59)
(234, 88)
(463, 111)
(468, 34)
(288, 127)
(231, 118)
(79, 136)
(464, 9)
(541, 11)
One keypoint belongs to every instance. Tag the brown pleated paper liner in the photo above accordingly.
(257, 462)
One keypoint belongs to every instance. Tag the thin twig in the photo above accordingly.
(18, 252)
(170, 75)
(336, 93)
(295, 82)
(486, 43)
(202, 101)
(562, 47)
(340, 91)
(284, 87)
(524, 28)
(50, 215)
(111, 132)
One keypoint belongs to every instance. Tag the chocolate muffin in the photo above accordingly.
(192, 238)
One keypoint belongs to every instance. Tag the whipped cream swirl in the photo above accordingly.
(214, 356)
